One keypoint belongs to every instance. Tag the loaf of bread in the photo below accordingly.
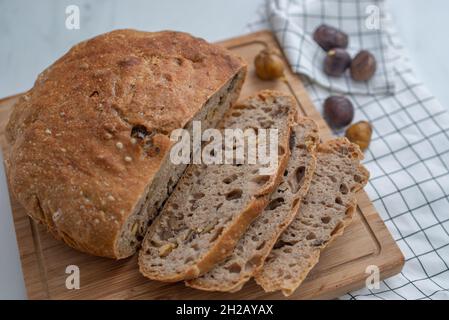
(90, 142)
(326, 210)
(213, 205)
(257, 242)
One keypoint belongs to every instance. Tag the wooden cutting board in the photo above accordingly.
(341, 268)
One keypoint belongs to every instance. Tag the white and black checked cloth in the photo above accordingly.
(409, 153)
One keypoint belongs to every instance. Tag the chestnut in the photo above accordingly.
(360, 134)
(363, 66)
(338, 111)
(329, 37)
(336, 62)
(269, 66)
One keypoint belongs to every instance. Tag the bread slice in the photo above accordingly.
(90, 142)
(213, 205)
(326, 210)
(257, 242)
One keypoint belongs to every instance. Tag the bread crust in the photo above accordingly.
(72, 162)
(226, 242)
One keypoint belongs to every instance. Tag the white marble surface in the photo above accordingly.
(33, 35)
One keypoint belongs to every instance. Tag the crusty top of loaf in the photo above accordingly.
(72, 162)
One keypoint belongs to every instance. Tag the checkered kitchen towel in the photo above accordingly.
(409, 154)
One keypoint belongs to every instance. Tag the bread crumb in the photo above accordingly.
(128, 159)
(108, 135)
(133, 140)
(111, 198)
(119, 145)
(47, 131)
(96, 221)
(63, 149)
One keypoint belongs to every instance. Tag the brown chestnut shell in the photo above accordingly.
(329, 37)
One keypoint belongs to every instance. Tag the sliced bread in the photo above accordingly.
(326, 210)
(257, 242)
(212, 206)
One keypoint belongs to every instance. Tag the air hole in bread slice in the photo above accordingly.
(282, 243)
(287, 250)
(139, 132)
(338, 200)
(267, 109)
(234, 268)
(266, 124)
(310, 236)
(234, 194)
(275, 203)
(198, 195)
(325, 219)
(299, 174)
(344, 188)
